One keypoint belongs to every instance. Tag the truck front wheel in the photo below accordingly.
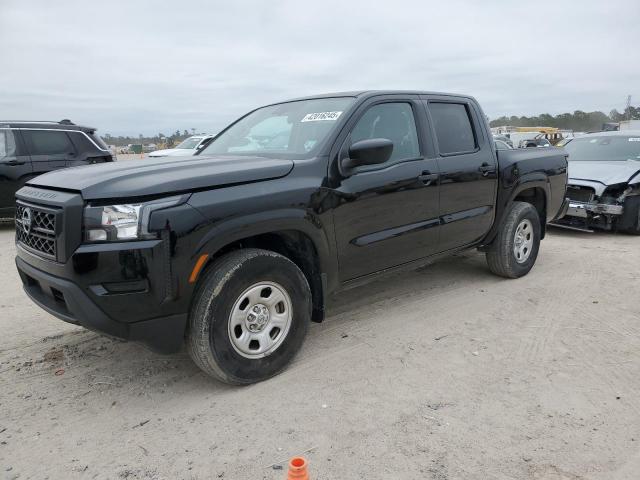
(249, 316)
(630, 220)
(515, 248)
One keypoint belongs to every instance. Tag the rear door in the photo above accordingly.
(15, 167)
(49, 149)
(468, 170)
(386, 214)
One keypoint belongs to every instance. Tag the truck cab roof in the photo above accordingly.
(372, 93)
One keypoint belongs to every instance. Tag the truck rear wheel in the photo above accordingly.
(249, 317)
(515, 248)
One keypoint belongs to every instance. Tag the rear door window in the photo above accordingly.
(48, 142)
(453, 127)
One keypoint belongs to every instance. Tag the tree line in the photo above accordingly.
(578, 121)
(160, 138)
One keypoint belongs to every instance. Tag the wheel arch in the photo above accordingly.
(532, 187)
(293, 234)
(536, 196)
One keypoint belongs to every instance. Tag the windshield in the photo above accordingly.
(618, 148)
(190, 143)
(293, 129)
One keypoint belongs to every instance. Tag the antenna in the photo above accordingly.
(627, 110)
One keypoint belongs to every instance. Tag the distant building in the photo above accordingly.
(630, 125)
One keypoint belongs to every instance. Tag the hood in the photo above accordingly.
(173, 152)
(606, 173)
(136, 178)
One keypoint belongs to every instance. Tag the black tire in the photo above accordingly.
(501, 257)
(630, 220)
(208, 336)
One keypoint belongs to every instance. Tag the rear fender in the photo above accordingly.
(509, 192)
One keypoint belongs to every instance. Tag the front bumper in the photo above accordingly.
(586, 216)
(76, 303)
(583, 209)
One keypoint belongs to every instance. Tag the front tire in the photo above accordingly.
(631, 216)
(249, 317)
(515, 248)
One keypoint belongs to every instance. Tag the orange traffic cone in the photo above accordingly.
(298, 469)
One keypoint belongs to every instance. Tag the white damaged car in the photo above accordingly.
(604, 182)
(186, 148)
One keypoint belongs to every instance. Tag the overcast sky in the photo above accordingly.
(130, 67)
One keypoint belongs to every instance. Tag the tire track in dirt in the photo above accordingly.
(558, 305)
(614, 375)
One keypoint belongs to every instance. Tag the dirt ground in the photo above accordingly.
(443, 373)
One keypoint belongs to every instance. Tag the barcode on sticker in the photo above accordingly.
(320, 116)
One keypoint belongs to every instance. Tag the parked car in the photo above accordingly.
(186, 148)
(534, 142)
(604, 182)
(505, 139)
(500, 145)
(28, 149)
(238, 250)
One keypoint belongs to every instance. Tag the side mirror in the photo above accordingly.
(368, 152)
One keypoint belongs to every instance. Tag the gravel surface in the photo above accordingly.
(443, 373)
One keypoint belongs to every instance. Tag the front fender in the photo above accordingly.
(235, 229)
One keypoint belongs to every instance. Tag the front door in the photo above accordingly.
(468, 171)
(386, 214)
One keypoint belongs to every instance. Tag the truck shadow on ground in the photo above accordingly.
(86, 362)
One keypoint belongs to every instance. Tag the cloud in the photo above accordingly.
(149, 67)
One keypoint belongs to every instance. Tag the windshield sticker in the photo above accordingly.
(634, 139)
(321, 116)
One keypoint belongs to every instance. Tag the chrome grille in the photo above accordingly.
(580, 194)
(36, 229)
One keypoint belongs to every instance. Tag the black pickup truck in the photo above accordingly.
(237, 249)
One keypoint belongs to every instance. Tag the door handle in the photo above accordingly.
(427, 177)
(486, 169)
(15, 162)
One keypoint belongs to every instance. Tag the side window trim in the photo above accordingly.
(26, 129)
(472, 121)
(416, 122)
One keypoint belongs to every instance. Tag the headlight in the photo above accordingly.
(123, 222)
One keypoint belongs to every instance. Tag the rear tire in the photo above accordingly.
(515, 248)
(230, 342)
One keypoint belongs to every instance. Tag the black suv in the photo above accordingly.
(28, 149)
